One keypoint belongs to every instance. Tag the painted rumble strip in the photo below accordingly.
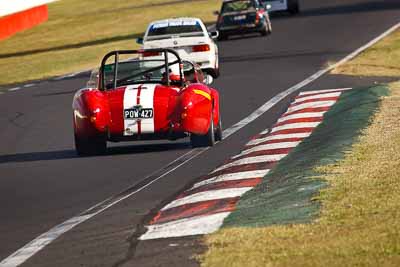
(202, 208)
(27, 251)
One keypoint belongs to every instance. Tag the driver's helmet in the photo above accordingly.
(174, 74)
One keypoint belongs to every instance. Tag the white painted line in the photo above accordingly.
(305, 98)
(273, 101)
(316, 104)
(277, 137)
(231, 130)
(323, 91)
(33, 247)
(29, 85)
(296, 125)
(59, 78)
(304, 115)
(250, 160)
(186, 227)
(265, 131)
(43, 240)
(267, 147)
(14, 89)
(232, 177)
(212, 27)
(69, 75)
(208, 195)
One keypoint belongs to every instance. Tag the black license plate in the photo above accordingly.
(133, 113)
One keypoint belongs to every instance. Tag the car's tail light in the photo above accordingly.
(151, 54)
(258, 17)
(201, 48)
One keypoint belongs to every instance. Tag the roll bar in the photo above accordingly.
(116, 54)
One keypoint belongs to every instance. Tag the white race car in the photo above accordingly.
(187, 36)
(292, 6)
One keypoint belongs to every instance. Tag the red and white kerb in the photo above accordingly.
(202, 208)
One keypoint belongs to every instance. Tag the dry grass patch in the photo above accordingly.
(79, 33)
(359, 222)
(380, 60)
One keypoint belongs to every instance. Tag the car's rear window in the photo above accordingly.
(174, 28)
(235, 6)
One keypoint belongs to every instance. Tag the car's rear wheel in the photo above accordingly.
(222, 37)
(269, 26)
(265, 29)
(207, 139)
(213, 72)
(293, 7)
(88, 147)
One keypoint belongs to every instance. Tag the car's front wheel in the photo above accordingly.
(208, 139)
(218, 131)
(88, 147)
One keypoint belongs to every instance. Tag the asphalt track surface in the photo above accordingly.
(44, 183)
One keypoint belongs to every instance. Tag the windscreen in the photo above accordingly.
(179, 28)
(235, 6)
(136, 71)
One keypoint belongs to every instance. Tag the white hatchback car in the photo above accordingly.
(189, 37)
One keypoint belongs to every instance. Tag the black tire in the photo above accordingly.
(293, 7)
(216, 73)
(265, 29)
(222, 37)
(218, 131)
(89, 147)
(269, 27)
(213, 72)
(204, 140)
(216, 70)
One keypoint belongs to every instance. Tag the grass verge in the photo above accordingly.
(78, 33)
(380, 60)
(358, 224)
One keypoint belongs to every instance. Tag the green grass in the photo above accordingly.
(286, 193)
(78, 33)
(380, 60)
(349, 213)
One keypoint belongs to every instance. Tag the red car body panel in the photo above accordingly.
(176, 111)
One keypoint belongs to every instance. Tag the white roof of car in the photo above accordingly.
(175, 20)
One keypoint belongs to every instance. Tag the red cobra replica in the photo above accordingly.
(145, 98)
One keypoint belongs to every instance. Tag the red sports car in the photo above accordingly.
(145, 99)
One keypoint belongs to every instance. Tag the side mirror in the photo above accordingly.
(208, 79)
(216, 13)
(214, 34)
(139, 40)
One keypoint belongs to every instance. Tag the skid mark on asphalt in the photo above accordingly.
(202, 208)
